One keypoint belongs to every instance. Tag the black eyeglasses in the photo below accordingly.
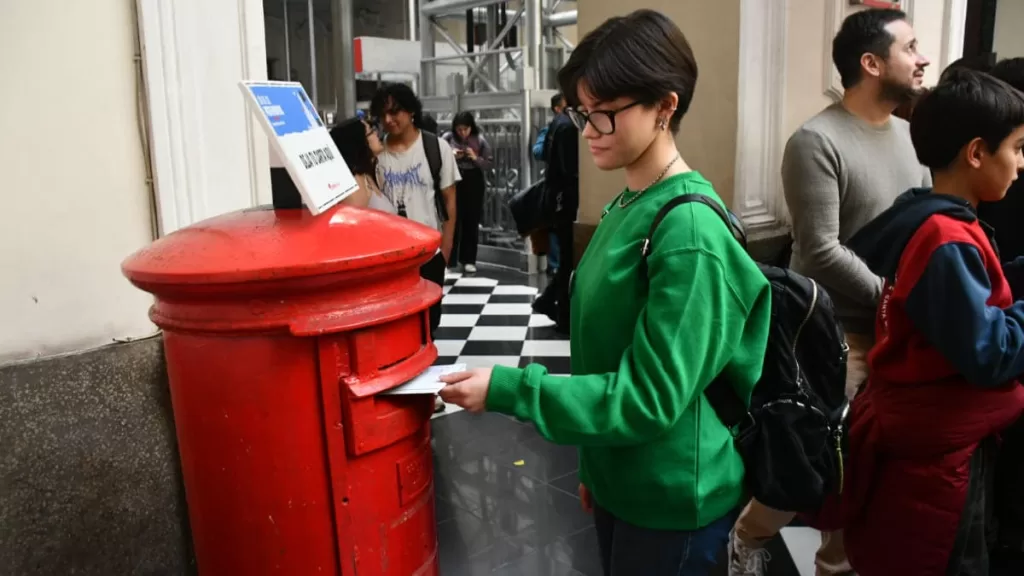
(602, 120)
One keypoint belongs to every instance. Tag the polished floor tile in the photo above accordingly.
(507, 310)
(487, 361)
(498, 333)
(546, 348)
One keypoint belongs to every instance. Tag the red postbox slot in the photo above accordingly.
(369, 362)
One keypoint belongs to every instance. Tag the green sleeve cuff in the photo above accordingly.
(502, 395)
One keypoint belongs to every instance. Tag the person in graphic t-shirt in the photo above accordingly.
(406, 174)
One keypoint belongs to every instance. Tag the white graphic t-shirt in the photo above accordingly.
(407, 180)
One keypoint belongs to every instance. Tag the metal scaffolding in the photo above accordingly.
(507, 84)
(537, 23)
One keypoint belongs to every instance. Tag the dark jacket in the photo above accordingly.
(561, 154)
(942, 379)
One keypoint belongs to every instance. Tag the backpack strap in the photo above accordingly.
(731, 409)
(730, 221)
(432, 150)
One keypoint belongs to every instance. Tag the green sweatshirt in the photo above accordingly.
(652, 450)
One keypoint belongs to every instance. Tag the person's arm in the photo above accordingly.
(538, 146)
(483, 158)
(683, 339)
(949, 305)
(449, 178)
(361, 197)
(810, 181)
(569, 156)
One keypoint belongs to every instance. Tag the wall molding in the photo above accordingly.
(835, 12)
(953, 29)
(181, 81)
(758, 198)
(178, 199)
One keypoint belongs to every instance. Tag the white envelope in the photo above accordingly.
(427, 382)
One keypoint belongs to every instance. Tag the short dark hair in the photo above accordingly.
(350, 138)
(642, 55)
(465, 118)
(964, 106)
(1011, 71)
(557, 100)
(862, 33)
(980, 63)
(402, 98)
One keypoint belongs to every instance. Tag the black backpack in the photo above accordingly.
(432, 150)
(791, 438)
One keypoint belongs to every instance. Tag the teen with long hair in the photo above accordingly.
(359, 146)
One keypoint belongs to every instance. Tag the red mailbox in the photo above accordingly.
(280, 331)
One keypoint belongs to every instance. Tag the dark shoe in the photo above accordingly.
(546, 307)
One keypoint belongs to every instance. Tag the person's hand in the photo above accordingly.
(467, 389)
(469, 152)
(586, 499)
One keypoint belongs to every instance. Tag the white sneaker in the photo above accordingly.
(745, 561)
(469, 269)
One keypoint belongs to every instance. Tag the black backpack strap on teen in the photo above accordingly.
(432, 150)
(731, 409)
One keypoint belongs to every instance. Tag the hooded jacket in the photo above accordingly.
(950, 346)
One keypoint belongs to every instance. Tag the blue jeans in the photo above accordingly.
(628, 550)
(553, 250)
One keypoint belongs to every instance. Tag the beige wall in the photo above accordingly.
(75, 196)
(707, 138)
(1009, 41)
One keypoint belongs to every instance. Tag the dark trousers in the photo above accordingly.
(557, 293)
(970, 555)
(1008, 504)
(469, 206)
(433, 271)
(628, 550)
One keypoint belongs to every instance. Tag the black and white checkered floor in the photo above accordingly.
(486, 322)
(506, 498)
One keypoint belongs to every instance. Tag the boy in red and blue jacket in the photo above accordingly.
(950, 345)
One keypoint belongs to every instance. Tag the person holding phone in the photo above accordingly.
(473, 157)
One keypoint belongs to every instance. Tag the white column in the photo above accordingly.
(758, 198)
(955, 20)
(210, 155)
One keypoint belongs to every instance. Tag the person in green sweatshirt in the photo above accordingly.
(657, 467)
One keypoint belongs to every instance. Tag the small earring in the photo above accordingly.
(662, 124)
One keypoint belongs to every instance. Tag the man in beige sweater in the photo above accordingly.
(840, 170)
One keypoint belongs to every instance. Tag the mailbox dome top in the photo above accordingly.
(263, 244)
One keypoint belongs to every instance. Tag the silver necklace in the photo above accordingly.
(623, 203)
